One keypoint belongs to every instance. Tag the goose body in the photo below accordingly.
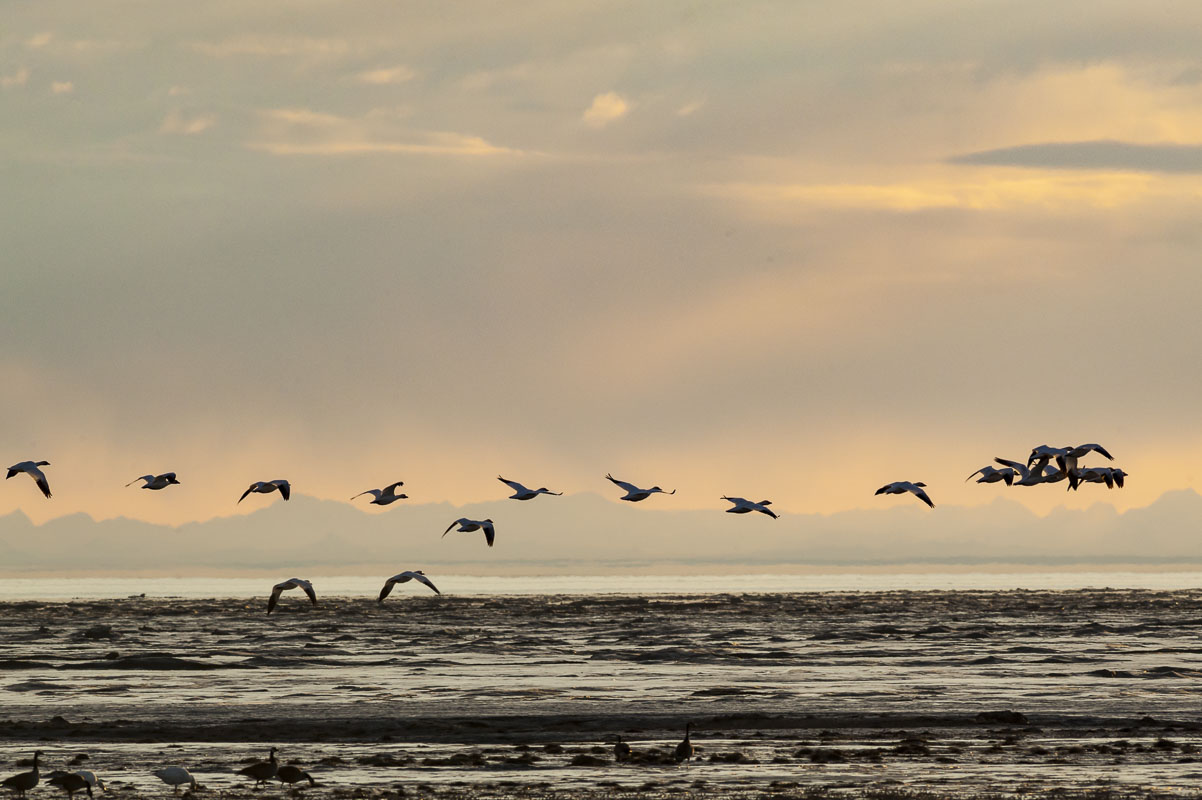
(405, 577)
(468, 525)
(633, 493)
(175, 776)
(520, 492)
(267, 487)
(156, 482)
(71, 782)
(1111, 476)
(1027, 475)
(743, 506)
(262, 771)
(621, 750)
(22, 782)
(291, 583)
(292, 774)
(901, 487)
(684, 750)
(32, 469)
(385, 496)
(991, 474)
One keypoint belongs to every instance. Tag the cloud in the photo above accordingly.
(307, 132)
(1095, 155)
(18, 78)
(273, 47)
(605, 109)
(690, 108)
(386, 75)
(62, 87)
(177, 122)
(39, 40)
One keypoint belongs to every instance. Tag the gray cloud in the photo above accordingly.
(1098, 155)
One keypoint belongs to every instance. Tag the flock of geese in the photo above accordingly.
(260, 772)
(1044, 465)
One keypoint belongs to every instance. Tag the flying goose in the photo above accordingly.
(175, 776)
(520, 492)
(22, 782)
(634, 493)
(1028, 475)
(156, 482)
(405, 577)
(901, 487)
(291, 583)
(743, 506)
(262, 771)
(30, 468)
(384, 496)
(468, 525)
(1111, 476)
(267, 487)
(991, 474)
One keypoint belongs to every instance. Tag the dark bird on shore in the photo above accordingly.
(291, 583)
(520, 492)
(468, 525)
(901, 487)
(156, 482)
(633, 493)
(175, 776)
(743, 506)
(621, 750)
(385, 496)
(292, 775)
(22, 782)
(405, 577)
(30, 468)
(267, 487)
(71, 782)
(684, 750)
(262, 771)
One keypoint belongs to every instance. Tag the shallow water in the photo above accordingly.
(785, 680)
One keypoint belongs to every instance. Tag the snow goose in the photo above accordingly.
(175, 776)
(991, 474)
(291, 583)
(1027, 476)
(634, 493)
(267, 487)
(520, 492)
(901, 487)
(405, 577)
(156, 482)
(468, 525)
(385, 496)
(22, 782)
(743, 506)
(30, 468)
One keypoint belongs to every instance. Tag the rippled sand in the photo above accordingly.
(961, 693)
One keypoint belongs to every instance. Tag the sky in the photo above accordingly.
(785, 250)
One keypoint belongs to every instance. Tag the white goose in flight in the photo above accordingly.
(634, 493)
(901, 487)
(520, 492)
(156, 482)
(1111, 476)
(744, 506)
(405, 577)
(1040, 472)
(30, 468)
(267, 487)
(291, 583)
(384, 496)
(991, 474)
(468, 525)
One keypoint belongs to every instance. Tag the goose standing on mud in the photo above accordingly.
(292, 775)
(156, 482)
(621, 750)
(405, 577)
(901, 487)
(291, 583)
(633, 493)
(175, 776)
(520, 492)
(30, 468)
(386, 495)
(71, 782)
(684, 750)
(743, 506)
(267, 487)
(468, 525)
(22, 782)
(262, 771)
